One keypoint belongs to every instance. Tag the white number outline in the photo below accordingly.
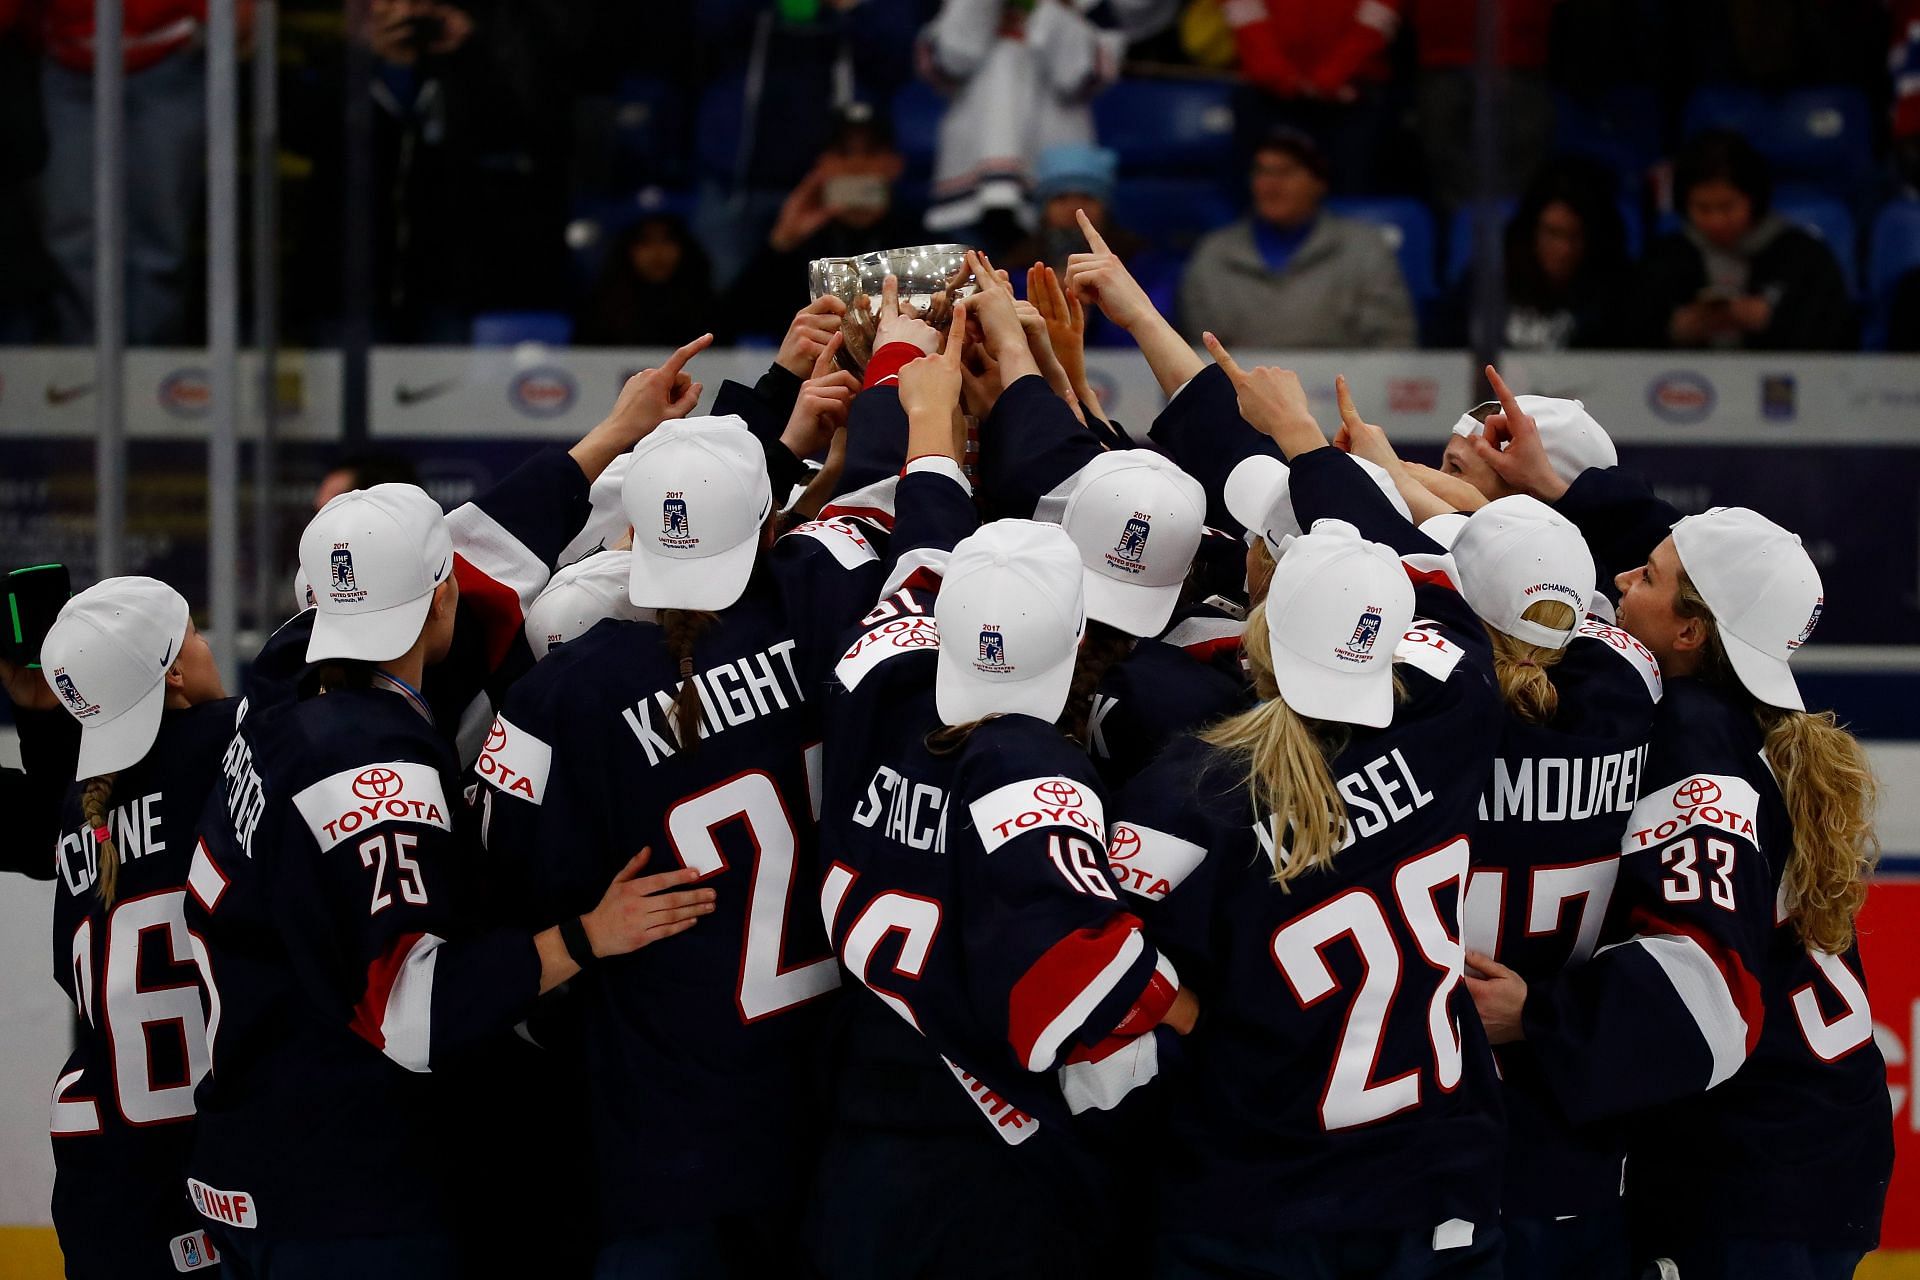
(1079, 865)
(1833, 1040)
(1683, 881)
(161, 911)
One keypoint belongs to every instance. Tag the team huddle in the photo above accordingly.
(1015, 846)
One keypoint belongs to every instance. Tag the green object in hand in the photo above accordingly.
(799, 10)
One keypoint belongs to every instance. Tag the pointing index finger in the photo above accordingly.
(1221, 356)
(956, 335)
(1094, 240)
(1504, 394)
(823, 363)
(678, 360)
(1348, 413)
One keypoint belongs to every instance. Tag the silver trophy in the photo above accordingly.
(931, 278)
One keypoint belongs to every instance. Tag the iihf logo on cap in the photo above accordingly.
(676, 530)
(1806, 632)
(341, 566)
(64, 683)
(1127, 553)
(993, 651)
(1359, 646)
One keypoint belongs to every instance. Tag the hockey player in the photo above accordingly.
(1007, 989)
(1728, 1007)
(1302, 864)
(697, 735)
(328, 900)
(1580, 699)
(128, 665)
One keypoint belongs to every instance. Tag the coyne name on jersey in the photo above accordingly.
(731, 694)
(135, 826)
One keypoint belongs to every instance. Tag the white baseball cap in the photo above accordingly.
(1764, 592)
(374, 557)
(1336, 609)
(107, 656)
(606, 516)
(1573, 440)
(1010, 614)
(697, 496)
(1515, 552)
(1259, 495)
(1445, 527)
(579, 596)
(1137, 519)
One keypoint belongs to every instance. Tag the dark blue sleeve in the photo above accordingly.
(1326, 484)
(931, 515)
(543, 503)
(1202, 430)
(876, 439)
(765, 406)
(1618, 515)
(1030, 446)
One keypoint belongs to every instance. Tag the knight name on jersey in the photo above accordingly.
(136, 833)
(515, 761)
(1560, 789)
(246, 796)
(1704, 799)
(731, 694)
(1378, 794)
(357, 799)
(1018, 807)
(914, 813)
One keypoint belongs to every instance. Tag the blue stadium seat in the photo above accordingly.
(511, 328)
(717, 125)
(596, 222)
(1895, 248)
(1619, 127)
(1167, 126)
(649, 131)
(1172, 212)
(1460, 237)
(1822, 136)
(1828, 220)
(1409, 231)
(917, 110)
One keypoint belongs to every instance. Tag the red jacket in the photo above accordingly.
(1295, 47)
(152, 30)
(1444, 31)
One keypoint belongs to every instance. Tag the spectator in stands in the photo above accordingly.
(1321, 68)
(655, 289)
(1021, 75)
(166, 90)
(788, 67)
(844, 206)
(1068, 178)
(1291, 275)
(1567, 266)
(363, 471)
(1737, 275)
(1445, 38)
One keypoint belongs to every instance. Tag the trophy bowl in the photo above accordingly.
(930, 277)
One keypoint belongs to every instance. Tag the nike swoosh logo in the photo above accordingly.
(168, 660)
(405, 394)
(64, 395)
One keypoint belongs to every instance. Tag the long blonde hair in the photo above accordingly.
(96, 793)
(1829, 789)
(1287, 758)
(1521, 667)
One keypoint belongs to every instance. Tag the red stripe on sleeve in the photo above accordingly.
(1741, 984)
(888, 361)
(495, 604)
(371, 1012)
(1060, 977)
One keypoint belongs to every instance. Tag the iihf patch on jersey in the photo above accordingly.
(341, 586)
(888, 640)
(1429, 651)
(1149, 863)
(357, 799)
(193, 1252)
(676, 526)
(515, 761)
(1129, 553)
(992, 657)
(235, 1208)
(1366, 630)
(1704, 799)
(1037, 803)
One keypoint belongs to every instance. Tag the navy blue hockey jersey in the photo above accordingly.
(331, 890)
(968, 893)
(1340, 1078)
(123, 1106)
(699, 1047)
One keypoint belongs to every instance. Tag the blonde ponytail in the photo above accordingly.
(96, 794)
(1521, 668)
(1829, 789)
(1286, 758)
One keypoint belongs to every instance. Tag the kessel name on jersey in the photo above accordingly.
(355, 800)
